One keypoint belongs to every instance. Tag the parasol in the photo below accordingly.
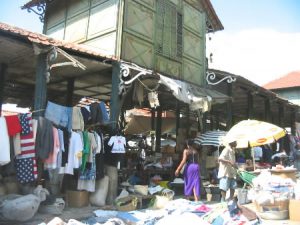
(254, 133)
(214, 138)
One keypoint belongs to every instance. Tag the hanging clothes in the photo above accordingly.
(86, 149)
(61, 147)
(96, 113)
(13, 125)
(44, 138)
(51, 161)
(118, 144)
(74, 154)
(17, 143)
(5, 145)
(59, 115)
(100, 157)
(77, 119)
(26, 166)
(87, 174)
(105, 116)
(86, 114)
(24, 120)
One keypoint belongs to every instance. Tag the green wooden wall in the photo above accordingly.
(142, 34)
(167, 36)
(91, 22)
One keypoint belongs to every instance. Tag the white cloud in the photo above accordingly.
(259, 55)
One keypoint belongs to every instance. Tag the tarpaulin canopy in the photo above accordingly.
(142, 124)
(198, 98)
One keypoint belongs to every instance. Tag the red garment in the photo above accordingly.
(13, 125)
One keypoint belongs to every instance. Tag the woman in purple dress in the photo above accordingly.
(191, 171)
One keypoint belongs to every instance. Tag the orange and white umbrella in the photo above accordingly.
(253, 133)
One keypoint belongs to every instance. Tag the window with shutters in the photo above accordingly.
(168, 30)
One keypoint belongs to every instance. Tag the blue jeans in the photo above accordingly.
(226, 183)
(59, 115)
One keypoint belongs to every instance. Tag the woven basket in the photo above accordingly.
(128, 203)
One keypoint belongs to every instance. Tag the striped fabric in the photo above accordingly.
(28, 149)
(214, 138)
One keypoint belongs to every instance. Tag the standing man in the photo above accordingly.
(227, 171)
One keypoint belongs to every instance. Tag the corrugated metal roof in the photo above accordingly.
(46, 40)
(290, 80)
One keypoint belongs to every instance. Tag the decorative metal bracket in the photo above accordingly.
(39, 10)
(211, 76)
(125, 79)
(38, 7)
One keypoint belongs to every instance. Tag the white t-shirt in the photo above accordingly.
(74, 156)
(5, 145)
(119, 143)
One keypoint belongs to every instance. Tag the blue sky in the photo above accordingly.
(281, 15)
(261, 39)
(11, 13)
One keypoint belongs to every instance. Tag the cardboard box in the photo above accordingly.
(77, 199)
(211, 162)
(294, 210)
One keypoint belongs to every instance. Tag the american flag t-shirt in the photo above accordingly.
(27, 152)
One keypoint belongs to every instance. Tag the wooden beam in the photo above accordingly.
(3, 68)
(70, 92)
(98, 73)
(40, 93)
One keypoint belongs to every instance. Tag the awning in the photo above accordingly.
(198, 98)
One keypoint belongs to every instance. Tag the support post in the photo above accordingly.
(250, 105)
(40, 92)
(158, 130)
(177, 117)
(3, 68)
(217, 120)
(187, 121)
(229, 107)
(70, 92)
(152, 129)
(267, 110)
(115, 99)
(281, 115)
(293, 120)
(211, 119)
(152, 119)
(204, 122)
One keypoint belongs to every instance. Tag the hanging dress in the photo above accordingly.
(192, 175)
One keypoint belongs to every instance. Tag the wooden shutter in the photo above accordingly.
(169, 30)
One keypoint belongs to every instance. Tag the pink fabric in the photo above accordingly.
(51, 161)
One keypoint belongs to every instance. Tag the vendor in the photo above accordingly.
(227, 171)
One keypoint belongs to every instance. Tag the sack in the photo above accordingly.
(182, 169)
(141, 189)
(128, 203)
(160, 201)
